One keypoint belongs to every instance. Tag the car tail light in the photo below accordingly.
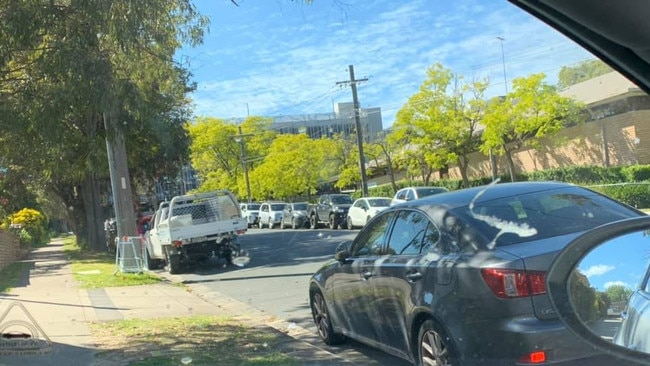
(510, 283)
(177, 243)
(241, 232)
(533, 358)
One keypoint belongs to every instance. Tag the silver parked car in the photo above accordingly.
(294, 215)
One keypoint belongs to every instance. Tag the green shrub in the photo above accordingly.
(636, 195)
(636, 173)
(579, 175)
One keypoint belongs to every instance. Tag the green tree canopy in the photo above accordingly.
(532, 111)
(585, 70)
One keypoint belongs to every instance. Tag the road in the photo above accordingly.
(277, 277)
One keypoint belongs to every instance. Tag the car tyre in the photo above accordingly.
(150, 263)
(349, 223)
(173, 262)
(293, 224)
(332, 222)
(434, 347)
(321, 317)
(313, 222)
(260, 224)
(271, 225)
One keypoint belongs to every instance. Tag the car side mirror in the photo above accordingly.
(598, 283)
(342, 252)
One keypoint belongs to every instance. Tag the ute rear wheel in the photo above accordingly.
(349, 223)
(173, 261)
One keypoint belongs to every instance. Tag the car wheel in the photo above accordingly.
(282, 224)
(271, 223)
(313, 222)
(434, 347)
(173, 262)
(333, 223)
(322, 320)
(293, 224)
(149, 263)
(260, 224)
(349, 221)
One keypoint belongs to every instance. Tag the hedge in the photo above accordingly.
(607, 180)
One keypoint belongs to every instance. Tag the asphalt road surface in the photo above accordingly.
(276, 279)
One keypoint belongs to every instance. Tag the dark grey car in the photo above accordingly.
(459, 277)
(294, 215)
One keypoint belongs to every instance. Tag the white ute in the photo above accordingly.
(194, 228)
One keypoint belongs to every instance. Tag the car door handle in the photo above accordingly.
(367, 274)
(413, 276)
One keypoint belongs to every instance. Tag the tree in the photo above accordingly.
(383, 153)
(438, 124)
(77, 73)
(618, 293)
(214, 153)
(585, 70)
(291, 168)
(532, 111)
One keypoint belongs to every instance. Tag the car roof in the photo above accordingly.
(463, 197)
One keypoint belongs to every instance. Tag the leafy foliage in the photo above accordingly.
(438, 124)
(585, 70)
(533, 110)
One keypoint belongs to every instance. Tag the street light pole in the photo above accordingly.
(503, 62)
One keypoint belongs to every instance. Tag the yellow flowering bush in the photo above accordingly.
(29, 225)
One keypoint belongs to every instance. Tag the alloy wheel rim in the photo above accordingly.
(320, 316)
(433, 350)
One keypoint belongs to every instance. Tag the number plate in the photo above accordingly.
(198, 239)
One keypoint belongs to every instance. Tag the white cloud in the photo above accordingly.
(614, 283)
(289, 65)
(598, 270)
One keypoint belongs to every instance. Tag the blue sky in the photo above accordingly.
(620, 261)
(281, 57)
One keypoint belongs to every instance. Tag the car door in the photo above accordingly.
(634, 331)
(355, 212)
(400, 276)
(352, 285)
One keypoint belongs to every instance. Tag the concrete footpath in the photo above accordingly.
(48, 305)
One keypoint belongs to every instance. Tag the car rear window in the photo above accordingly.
(423, 192)
(549, 213)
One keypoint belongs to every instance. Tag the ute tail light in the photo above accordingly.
(177, 243)
(535, 357)
(512, 283)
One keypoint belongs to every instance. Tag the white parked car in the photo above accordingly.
(363, 209)
(271, 214)
(414, 193)
(251, 212)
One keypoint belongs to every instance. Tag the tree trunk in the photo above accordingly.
(511, 164)
(94, 214)
(462, 165)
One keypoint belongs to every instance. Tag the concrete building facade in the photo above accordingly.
(328, 124)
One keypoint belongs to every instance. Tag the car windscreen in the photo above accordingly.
(423, 192)
(277, 206)
(300, 206)
(342, 199)
(379, 202)
(254, 207)
(541, 215)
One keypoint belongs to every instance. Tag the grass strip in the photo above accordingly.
(196, 340)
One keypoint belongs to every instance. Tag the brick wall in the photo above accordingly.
(627, 136)
(9, 249)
